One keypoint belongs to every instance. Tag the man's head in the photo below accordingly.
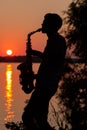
(51, 23)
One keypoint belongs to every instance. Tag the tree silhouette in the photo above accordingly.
(76, 19)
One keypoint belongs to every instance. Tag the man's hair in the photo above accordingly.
(54, 20)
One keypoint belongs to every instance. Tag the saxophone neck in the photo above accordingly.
(31, 33)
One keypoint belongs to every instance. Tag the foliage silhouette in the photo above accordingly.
(74, 91)
(76, 19)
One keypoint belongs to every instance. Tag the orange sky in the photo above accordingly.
(19, 17)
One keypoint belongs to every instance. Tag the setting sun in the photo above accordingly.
(9, 52)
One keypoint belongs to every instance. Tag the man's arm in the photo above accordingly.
(37, 53)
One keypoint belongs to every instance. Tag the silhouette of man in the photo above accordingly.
(49, 73)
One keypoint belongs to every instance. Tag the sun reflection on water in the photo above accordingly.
(9, 95)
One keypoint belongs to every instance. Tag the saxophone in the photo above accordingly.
(27, 76)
